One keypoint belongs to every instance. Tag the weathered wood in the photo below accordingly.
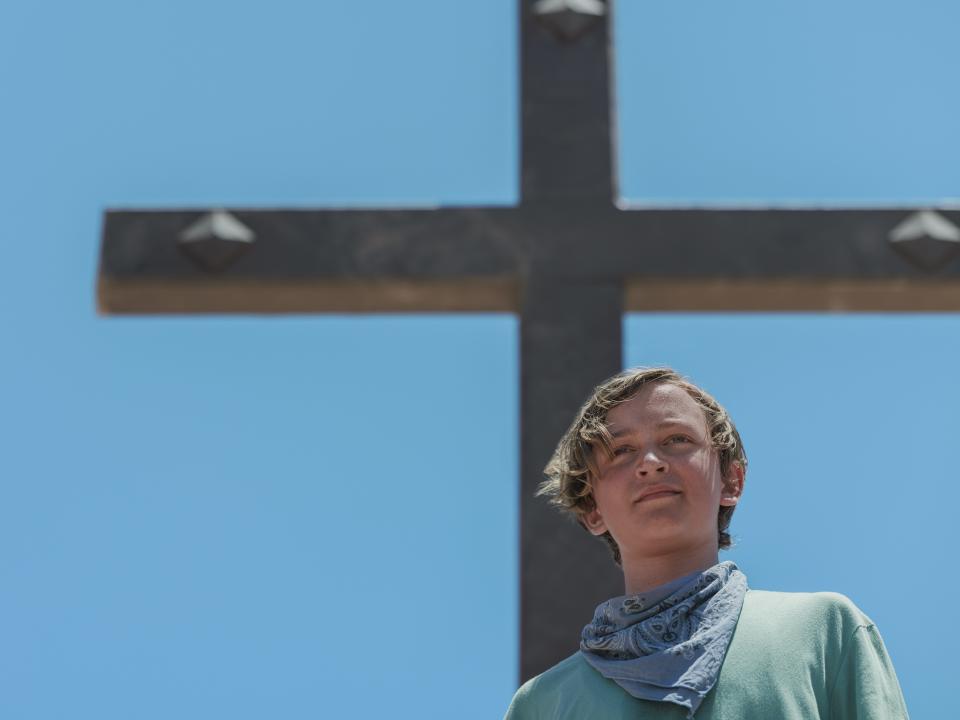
(312, 245)
(566, 148)
(475, 259)
(770, 295)
(569, 341)
(149, 297)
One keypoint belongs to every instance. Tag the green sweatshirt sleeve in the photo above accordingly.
(866, 687)
(519, 708)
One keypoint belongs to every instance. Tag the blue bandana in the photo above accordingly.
(668, 644)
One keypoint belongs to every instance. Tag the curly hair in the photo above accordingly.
(572, 469)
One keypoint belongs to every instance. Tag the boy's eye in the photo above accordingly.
(680, 438)
(621, 450)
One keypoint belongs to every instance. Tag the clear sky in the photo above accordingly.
(254, 517)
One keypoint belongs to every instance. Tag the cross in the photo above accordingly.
(568, 259)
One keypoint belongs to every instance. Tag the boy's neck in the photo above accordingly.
(642, 573)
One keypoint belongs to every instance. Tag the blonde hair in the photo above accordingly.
(572, 469)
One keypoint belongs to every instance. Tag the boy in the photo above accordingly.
(655, 466)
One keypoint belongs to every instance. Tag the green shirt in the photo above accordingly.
(793, 656)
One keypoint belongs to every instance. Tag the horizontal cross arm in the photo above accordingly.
(704, 244)
(309, 261)
(752, 259)
(462, 259)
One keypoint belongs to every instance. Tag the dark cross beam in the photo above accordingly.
(567, 259)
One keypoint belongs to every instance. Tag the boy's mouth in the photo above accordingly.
(657, 491)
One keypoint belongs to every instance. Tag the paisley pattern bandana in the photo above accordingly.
(668, 644)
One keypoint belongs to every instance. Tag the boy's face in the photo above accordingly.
(662, 489)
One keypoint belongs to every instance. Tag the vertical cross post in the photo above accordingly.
(569, 328)
(569, 339)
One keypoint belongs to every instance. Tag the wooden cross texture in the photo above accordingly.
(568, 259)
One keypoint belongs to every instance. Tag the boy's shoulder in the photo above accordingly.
(571, 670)
(819, 607)
(562, 690)
(773, 626)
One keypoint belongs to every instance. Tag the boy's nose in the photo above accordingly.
(651, 463)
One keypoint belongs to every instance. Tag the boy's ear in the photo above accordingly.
(593, 522)
(732, 485)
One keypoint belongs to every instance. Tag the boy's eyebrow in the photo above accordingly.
(662, 424)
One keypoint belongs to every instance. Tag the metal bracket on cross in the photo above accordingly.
(568, 19)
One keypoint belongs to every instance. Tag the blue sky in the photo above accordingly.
(257, 517)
